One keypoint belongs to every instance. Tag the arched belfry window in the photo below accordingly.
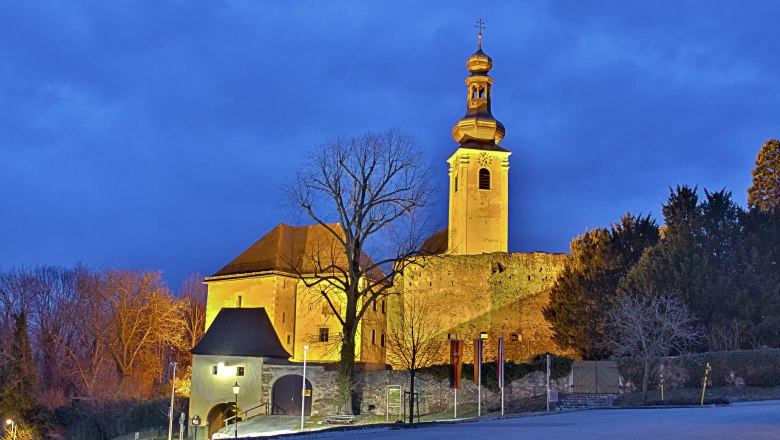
(484, 178)
(482, 92)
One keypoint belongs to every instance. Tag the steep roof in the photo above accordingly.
(294, 249)
(242, 332)
(435, 244)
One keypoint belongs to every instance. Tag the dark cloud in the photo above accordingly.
(156, 133)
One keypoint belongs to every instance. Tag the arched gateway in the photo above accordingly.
(286, 395)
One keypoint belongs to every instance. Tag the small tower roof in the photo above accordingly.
(479, 124)
(242, 332)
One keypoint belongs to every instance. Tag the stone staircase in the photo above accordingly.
(586, 400)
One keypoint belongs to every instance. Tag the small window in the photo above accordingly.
(239, 371)
(288, 339)
(282, 317)
(383, 306)
(214, 369)
(323, 335)
(375, 305)
(238, 301)
(382, 340)
(456, 183)
(484, 178)
(373, 337)
(482, 93)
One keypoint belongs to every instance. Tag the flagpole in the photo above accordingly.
(501, 370)
(456, 403)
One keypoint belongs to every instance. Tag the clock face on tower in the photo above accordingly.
(484, 159)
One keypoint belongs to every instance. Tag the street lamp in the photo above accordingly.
(236, 389)
(303, 390)
(170, 411)
(13, 428)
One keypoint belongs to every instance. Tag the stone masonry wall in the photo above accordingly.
(497, 293)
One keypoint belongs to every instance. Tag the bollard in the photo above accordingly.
(704, 388)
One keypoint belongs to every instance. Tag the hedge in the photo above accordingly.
(749, 367)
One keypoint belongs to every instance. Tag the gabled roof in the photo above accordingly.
(295, 249)
(242, 332)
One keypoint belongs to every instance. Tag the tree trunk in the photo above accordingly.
(411, 395)
(347, 370)
(644, 379)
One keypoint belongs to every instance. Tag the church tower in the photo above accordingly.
(479, 169)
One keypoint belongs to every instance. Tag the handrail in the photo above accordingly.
(265, 404)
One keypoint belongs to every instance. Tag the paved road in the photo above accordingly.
(754, 420)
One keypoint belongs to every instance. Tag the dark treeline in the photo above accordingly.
(75, 335)
(719, 258)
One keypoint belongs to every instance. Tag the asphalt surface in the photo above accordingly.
(753, 420)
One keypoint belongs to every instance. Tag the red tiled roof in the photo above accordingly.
(290, 249)
(435, 244)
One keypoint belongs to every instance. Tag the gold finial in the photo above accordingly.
(481, 25)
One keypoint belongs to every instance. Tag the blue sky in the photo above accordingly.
(156, 134)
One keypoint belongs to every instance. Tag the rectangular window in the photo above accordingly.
(288, 339)
(323, 335)
(282, 317)
(239, 371)
(238, 301)
(373, 337)
(375, 305)
(382, 340)
(213, 369)
(383, 306)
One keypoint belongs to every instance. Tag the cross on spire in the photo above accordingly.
(481, 25)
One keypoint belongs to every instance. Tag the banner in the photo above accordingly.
(477, 360)
(501, 362)
(456, 359)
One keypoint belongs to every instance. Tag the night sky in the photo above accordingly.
(156, 134)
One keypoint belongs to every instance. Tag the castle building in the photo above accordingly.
(468, 279)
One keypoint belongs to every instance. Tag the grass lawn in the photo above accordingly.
(692, 396)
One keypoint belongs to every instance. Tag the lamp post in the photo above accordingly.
(170, 411)
(303, 387)
(236, 389)
(13, 428)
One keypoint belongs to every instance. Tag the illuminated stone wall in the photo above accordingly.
(496, 293)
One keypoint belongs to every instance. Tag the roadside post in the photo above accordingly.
(704, 387)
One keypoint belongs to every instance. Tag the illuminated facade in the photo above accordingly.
(273, 274)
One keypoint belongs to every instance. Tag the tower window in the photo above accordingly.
(239, 371)
(482, 92)
(373, 337)
(484, 178)
(456, 183)
(382, 340)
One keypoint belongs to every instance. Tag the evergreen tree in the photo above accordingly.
(703, 259)
(19, 377)
(764, 195)
(584, 291)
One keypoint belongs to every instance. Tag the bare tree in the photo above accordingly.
(192, 307)
(366, 193)
(415, 340)
(142, 315)
(650, 326)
